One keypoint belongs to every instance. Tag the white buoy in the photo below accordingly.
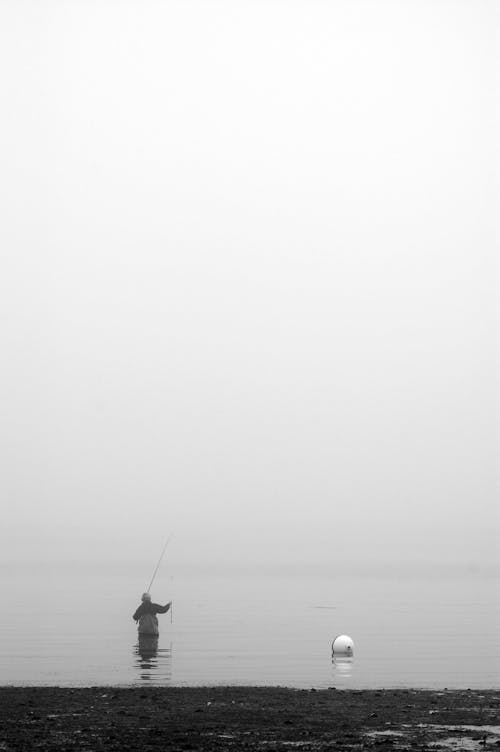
(342, 645)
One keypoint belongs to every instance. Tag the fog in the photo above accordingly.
(248, 285)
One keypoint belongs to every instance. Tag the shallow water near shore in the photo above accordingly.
(77, 631)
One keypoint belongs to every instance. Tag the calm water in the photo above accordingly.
(78, 631)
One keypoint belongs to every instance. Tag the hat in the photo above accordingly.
(145, 597)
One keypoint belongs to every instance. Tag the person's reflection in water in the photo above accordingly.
(148, 647)
(152, 662)
(147, 650)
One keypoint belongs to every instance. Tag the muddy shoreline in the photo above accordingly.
(246, 718)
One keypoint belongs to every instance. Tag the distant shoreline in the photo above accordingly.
(251, 718)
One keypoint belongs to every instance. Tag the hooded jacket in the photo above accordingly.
(146, 616)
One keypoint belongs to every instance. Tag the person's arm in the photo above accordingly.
(162, 609)
(137, 613)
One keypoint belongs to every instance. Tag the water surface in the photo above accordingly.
(77, 630)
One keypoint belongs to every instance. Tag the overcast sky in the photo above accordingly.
(247, 289)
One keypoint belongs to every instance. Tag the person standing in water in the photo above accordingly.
(145, 615)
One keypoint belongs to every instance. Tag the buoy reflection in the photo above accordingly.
(342, 668)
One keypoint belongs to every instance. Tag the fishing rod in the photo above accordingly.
(159, 562)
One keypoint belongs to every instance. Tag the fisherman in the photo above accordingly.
(146, 615)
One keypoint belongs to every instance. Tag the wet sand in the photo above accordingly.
(241, 718)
